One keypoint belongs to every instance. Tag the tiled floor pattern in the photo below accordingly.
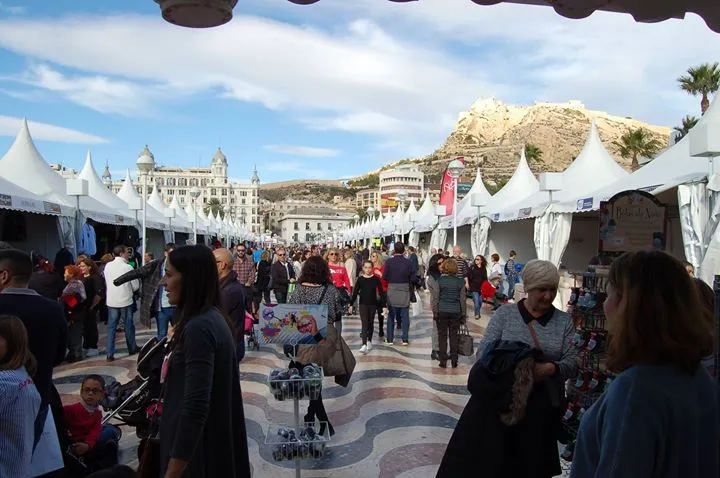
(393, 420)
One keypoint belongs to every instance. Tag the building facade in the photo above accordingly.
(304, 225)
(273, 212)
(367, 198)
(406, 178)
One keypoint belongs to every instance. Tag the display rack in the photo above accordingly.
(586, 309)
(299, 441)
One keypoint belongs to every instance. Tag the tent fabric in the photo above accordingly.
(19, 199)
(24, 166)
(693, 208)
(522, 184)
(479, 234)
(438, 239)
(99, 191)
(552, 234)
(414, 239)
(594, 165)
(672, 167)
(466, 212)
(128, 195)
(426, 219)
(399, 221)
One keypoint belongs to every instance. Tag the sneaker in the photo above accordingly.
(389, 342)
(405, 344)
(369, 346)
(92, 353)
(363, 349)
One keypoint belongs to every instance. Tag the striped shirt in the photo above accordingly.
(19, 405)
(463, 268)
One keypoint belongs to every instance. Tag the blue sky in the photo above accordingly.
(329, 90)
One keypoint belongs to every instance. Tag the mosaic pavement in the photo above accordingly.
(393, 420)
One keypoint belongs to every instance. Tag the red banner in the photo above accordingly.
(447, 190)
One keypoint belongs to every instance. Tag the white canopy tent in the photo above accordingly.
(425, 219)
(181, 222)
(466, 212)
(99, 191)
(15, 198)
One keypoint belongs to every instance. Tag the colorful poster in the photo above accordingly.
(447, 191)
(292, 323)
(632, 221)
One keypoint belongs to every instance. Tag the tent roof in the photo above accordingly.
(127, 192)
(672, 167)
(522, 184)
(594, 165)
(426, 220)
(467, 213)
(98, 190)
(24, 166)
(16, 198)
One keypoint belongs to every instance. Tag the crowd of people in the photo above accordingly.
(658, 417)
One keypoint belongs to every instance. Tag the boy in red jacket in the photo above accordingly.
(84, 424)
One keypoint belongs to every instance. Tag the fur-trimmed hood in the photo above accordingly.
(505, 374)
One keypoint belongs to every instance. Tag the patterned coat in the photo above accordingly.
(150, 276)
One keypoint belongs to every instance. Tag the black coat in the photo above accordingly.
(281, 275)
(203, 421)
(482, 445)
(232, 295)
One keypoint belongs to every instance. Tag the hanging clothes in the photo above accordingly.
(87, 240)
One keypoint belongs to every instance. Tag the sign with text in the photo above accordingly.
(293, 323)
(632, 221)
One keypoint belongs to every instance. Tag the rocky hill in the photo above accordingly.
(318, 191)
(491, 134)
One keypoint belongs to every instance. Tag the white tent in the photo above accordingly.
(181, 221)
(426, 220)
(522, 184)
(399, 222)
(98, 190)
(24, 166)
(18, 199)
(466, 212)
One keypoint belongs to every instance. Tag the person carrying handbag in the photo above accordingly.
(449, 309)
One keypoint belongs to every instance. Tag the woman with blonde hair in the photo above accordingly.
(659, 417)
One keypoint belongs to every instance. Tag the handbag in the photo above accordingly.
(465, 341)
(348, 363)
(291, 288)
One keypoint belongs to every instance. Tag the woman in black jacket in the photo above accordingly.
(476, 277)
(262, 282)
(202, 431)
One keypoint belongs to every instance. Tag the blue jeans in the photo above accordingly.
(109, 433)
(114, 314)
(403, 313)
(477, 300)
(163, 319)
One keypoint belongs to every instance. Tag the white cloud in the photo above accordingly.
(10, 126)
(306, 151)
(398, 71)
(12, 9)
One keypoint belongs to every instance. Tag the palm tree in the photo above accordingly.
(701, 80)
(213, 207)
(533, 154)
(636, 143)
(688, 123)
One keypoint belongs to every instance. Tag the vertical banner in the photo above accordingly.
(447, 190)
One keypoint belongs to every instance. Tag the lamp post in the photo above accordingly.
(194, 194)
(77, 188)
(402, 196)
(455, 168)
(371, 214)
(440, 211)
(170, 215)
(356, 220)
(226, 210)
(145, 164)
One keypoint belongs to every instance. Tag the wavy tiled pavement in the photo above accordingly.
(393, 420)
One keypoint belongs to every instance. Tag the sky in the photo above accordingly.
(325, 91)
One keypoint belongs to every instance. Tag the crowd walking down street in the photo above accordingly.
(474, 377)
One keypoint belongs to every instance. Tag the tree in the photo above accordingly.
(213, 207)
(636, 143)
(701, 80)
(533, 154)
(688, 123)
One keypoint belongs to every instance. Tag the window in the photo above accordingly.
(170, 192)
(193, 182)
(329, 226)
(308, 237)
(181, 192)
(213, 192)
(307, 226)
(319, 226)
(242, 201)
(224, 192)
(297, 228)
(295, 237)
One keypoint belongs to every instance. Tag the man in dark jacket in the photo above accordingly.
(282, 274)
(232, 297)
(154, 300)
(43, 318)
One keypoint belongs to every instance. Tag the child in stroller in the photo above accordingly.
(490, 293)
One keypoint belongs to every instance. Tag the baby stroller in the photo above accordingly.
(129, 403)
(252, 341)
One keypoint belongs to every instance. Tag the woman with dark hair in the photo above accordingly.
(659, 417)
(73, 300)
(261, 291)
(432, 284)
(95, 291)
(202, 431)
(476, 278)
(316, 287)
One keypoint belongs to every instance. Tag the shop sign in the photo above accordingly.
(584, 204)
(632, 221)
(51, 208)
(5, 200)
(524, 212)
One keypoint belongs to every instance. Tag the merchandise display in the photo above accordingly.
(292, 383)
(586, 308)
(290, 443)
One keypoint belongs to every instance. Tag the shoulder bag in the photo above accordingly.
(465, 341)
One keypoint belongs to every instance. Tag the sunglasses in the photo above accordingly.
(333, 254)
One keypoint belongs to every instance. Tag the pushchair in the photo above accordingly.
(252, 340)
(129, 403)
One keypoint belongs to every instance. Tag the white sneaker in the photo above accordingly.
(92, 353)
(369, 347)
(364, 349)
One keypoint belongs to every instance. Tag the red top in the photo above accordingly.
(82, 425)
(340, 276)
(379, 271)
(487, 290)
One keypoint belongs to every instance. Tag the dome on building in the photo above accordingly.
(255, 178)
(219, 157)
(106, 176)
(147, 152)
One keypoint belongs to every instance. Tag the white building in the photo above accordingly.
(273, 212)
(307, 224)
(241, 198)
(408, 178)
